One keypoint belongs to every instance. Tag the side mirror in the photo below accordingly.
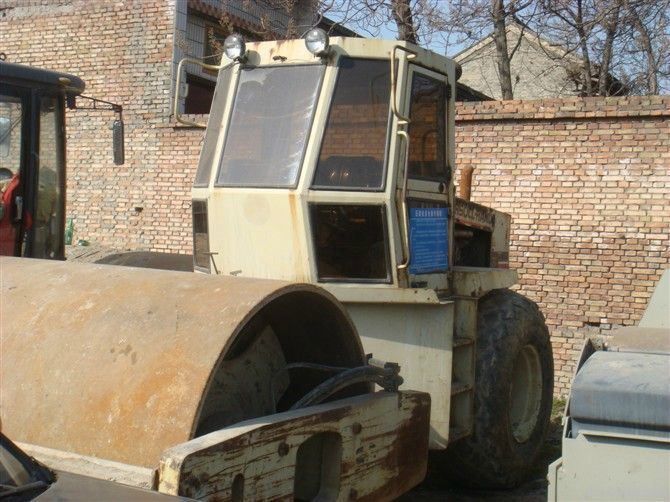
(118, 142)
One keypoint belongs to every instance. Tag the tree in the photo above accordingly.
(574, 22)
(402, 15)
(647, 34)
(503, 57)
(624, 37)
(611, 24)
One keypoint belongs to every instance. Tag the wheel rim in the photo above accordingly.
(525, 393)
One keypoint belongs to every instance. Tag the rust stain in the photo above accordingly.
(474, 215)
(108, 379)
(296, 233)
(406, 462)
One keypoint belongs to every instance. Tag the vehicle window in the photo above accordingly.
(270, 122)
(11, 114)
(213, 128)
(48, 219)
(10, 132)
(427, 129)
(350, 242)
(353, 150)
(201, 256)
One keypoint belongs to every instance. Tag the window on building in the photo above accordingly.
(204, 37)
(200, 94)
(213, 46)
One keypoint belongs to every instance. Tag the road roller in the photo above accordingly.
(216, 388)
(616, 426)
(331, 162)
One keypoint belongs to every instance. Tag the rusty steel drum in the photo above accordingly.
(119, 363)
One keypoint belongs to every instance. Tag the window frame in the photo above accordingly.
(387, 145)
(32, 193)
(383, 208)
(213, 129)
(196, 266)
(207, 58)
(310, 128)
(27, 162)
(423, 73)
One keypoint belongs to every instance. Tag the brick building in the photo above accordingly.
(587, 181)
(127, 53)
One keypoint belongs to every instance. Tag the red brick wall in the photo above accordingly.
(587, 182)
(123, 51)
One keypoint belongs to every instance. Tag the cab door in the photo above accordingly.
(14, 155)
(45, 195)
(32, 173)
(424, 196)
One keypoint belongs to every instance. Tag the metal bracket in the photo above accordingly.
(116, 108)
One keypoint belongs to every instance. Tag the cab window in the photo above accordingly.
(213, 130)
(11, 115)
(48, 220)
(353, 151)
(427, 129)
(350, 242)
(270, 123)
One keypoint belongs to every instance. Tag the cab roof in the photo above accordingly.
(294, 51)
(29, 76)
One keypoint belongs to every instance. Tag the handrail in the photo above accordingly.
(175, 107)
(405, 219)
(402, 121)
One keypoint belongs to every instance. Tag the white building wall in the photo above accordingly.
(535, 73)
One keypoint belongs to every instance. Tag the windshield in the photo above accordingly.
(271, 118)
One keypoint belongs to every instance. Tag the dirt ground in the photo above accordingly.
(436, 488)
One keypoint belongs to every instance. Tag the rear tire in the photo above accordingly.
(513, 394)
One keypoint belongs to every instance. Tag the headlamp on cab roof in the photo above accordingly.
(234, 47)
(316, 41)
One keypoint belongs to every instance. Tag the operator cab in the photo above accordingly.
(335, 166)
(32, 159)
(323, 168)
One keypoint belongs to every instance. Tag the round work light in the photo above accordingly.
(316, 42)
(234, 47)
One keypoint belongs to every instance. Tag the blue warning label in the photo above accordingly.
(428, 240)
